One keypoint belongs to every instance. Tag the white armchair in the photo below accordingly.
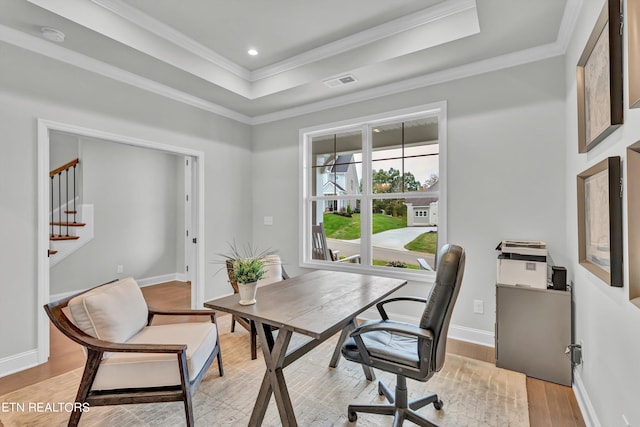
(128, 359)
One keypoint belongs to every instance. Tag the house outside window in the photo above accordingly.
(377, 185)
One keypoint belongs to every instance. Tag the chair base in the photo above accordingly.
(400, 408)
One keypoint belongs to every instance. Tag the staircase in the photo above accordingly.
(71, 225)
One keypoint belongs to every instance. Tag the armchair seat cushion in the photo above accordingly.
(133, 370)
(384, 345)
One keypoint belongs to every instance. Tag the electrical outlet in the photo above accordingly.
(268, 220)
(119, 269)
(478, 306)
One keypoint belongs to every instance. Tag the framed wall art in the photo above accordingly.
(633, 220)
(599, 79)
(600, 221)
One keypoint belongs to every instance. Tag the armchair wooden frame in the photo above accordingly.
(96, 349)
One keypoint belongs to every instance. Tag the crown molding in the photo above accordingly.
(59, 53)
(538, 53)
(388, 29)
(501, 62)
(172, 35)
(569, 20)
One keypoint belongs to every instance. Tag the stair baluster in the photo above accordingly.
(66, 213)
(60, 203)
(75, 211)
(66, 203)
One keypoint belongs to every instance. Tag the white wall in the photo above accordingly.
(506, 164)
(604, 319)
(34, 87)
(136, 202)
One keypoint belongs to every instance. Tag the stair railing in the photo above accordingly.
(64, 169)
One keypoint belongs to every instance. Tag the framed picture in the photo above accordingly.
(600, 220)
(633, 221)
(599, 79)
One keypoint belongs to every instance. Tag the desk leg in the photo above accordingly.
(368, 371)
(273, 381)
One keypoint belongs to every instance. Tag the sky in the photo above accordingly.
(422, 167)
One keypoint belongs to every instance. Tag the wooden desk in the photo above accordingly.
(317, 304)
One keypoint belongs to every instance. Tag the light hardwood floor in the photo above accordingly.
(549, 404)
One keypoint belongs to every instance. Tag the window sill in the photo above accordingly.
(422, 276)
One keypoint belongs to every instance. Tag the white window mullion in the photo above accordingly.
(442, 197)
(366, 206)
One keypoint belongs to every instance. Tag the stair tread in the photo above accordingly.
(52, 252)
(70, 224)
(58, 237)
(71, 212)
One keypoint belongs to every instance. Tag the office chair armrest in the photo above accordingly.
(392, 326)
(382, 311)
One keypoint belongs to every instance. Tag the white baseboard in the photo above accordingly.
(461, 333)
(18, 362)
(155, 280)
(587, 409)
(61, 295)
(145, 281)
(476, 336)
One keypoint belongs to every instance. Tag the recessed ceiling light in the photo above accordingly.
(52, 34)
(376, 130)
(252, 52)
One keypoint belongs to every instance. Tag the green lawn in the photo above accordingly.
(426, 242)
(340, 227)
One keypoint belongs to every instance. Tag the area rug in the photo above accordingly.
(475, 393)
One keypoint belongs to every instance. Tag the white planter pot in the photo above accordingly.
(247, 293)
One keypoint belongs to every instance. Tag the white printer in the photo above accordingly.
(522, 262)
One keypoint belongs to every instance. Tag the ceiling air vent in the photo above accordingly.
(340, 81)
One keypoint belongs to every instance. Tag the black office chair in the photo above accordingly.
(407, 350)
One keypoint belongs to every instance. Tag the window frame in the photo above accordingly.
(365, 125)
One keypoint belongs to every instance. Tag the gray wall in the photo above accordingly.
(34, 87)
(605, 321)
(64, 148)
(505, 169)
(135, 197)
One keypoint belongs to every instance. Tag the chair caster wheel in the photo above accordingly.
(352, 416)
(438, 404)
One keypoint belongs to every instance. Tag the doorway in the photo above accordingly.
(193, 212)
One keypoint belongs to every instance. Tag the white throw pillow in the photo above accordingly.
(114, 312)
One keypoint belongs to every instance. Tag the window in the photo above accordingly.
(377, 185)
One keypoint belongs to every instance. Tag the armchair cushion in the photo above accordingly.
(389, 346)
(134, 370)
(113, 312)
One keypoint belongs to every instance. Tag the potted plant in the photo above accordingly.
(245, 267)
